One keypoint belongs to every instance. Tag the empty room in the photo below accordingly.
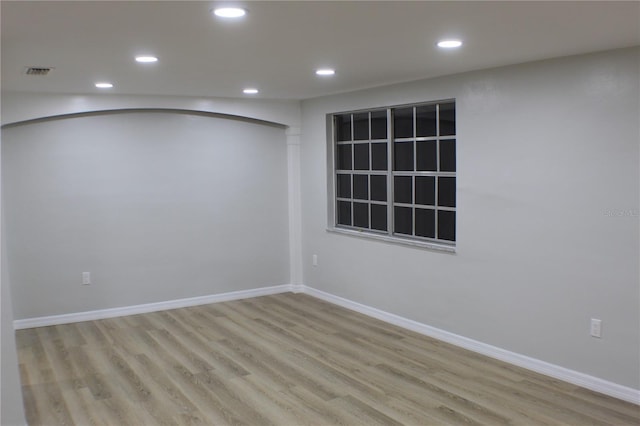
(320, 213)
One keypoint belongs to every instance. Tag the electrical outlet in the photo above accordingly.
(86, 278)
(315, 260)
(596, 327)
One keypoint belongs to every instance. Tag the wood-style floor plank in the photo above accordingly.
(287, 359)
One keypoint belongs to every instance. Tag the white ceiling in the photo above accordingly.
(277, 46)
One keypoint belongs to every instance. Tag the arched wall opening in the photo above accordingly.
(158, 204)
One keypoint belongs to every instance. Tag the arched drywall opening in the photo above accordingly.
(147, 110)
(158, 204)
(22, 106)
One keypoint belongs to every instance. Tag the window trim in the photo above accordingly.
(387, 236)
(395, 239)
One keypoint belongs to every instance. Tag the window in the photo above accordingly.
(394, 173)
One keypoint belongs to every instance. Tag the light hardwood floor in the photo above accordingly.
(282, 360)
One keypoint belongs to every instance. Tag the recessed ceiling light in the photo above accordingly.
(104, 85)
(250, 91)
(325, 71)
(146, 59)
(230, 12)
(449, 44)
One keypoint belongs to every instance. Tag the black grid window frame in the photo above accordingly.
(394, 173)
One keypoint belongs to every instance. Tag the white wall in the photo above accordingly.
(157, 206)
(11, 408)
(547, 222)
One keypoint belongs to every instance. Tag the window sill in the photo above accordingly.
(394, 240)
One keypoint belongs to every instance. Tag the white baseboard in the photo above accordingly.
(590, 382)
(297, 288)
(148, 307)
(580, 379)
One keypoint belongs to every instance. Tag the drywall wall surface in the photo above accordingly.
(156, 206)
(547, 214)
(11, 406)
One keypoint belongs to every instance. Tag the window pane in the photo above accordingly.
(361, 126)
(361, 187)
(361, 215)
(378, 188)
(426, 223)
(426, 190)
(379, 217)
(361, 156)
(403, 220)
(344, 213)
(343, 127)
(446, 225)
(403, 122)
(448, 156)
(344, 186)
(426, 120)
(378, 156)
(402, 189)
(365, 163)
(344, 157)
(447, 119)
(426, 154)
(379, 124)
(403, 156)
(447, 191)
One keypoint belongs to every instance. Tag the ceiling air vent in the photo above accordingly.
(37, 70)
